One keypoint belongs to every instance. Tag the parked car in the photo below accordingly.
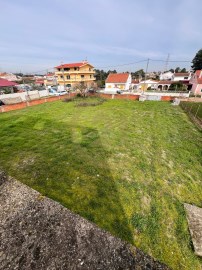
(119, 92)
(62, 92)
(92, 91)
(1, 103)
(53, 92)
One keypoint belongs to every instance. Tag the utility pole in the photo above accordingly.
(146, 74)
(166, 63)
(63, 75)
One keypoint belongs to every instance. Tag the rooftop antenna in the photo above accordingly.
(166, 63)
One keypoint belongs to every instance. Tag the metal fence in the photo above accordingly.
(194, 110)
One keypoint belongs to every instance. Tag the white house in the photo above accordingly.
(121, 81)
(164, 85)
(196, 81)
(143, 85)
(9, 76)
(186, 76)
(166, 76)
(50, 79)
(135, 84)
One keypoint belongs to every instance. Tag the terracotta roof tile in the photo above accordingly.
(117, 78)
(4, 82)
(135, 81)
(181, 74)
(165, 82)
(72, 65)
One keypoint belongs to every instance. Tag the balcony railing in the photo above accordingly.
(75, 79)
(75, 71)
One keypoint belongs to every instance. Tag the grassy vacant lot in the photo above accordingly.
(125, 165)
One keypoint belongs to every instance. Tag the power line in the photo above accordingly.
(38, 71)
(174, 61)
(126, 64)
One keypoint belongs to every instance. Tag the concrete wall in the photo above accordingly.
(172, 94)
(7, 108)
(23, 95)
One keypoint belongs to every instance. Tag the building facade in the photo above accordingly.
(9, 76)
(196, 82)
(120, 81)
(166, 76)
(177, 77)
(70, 75)
(50, 79)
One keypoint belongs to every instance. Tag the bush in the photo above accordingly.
(69, 99)
(91, 102)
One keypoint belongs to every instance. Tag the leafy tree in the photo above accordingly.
(112, 71)
(137, 74)
(102, 75)
(177, 86)
(183, 70)
(197, 61)
(177, 70)
(171, 70)
(18, 74)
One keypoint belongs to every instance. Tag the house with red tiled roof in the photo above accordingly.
(9, 76)
(196, 81)
(181, 76)
(121, 81)
(6, 84)
(50, 79)
(72, 74)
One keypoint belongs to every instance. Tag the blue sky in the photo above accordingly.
(38, 35)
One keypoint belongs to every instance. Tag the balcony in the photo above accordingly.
(75, 80)
(85, 71)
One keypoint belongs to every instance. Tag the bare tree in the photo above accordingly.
(82, 88)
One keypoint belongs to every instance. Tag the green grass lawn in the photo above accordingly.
(128, 166)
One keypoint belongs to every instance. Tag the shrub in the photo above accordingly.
(69, 99)
(91, 102)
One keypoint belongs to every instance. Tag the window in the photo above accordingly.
(82, 76)
(61, 77)
(90, 76)
(66, 69)
(76, 68)
(58, 69)
(68, 77)
(201, 90)
(185, 78)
